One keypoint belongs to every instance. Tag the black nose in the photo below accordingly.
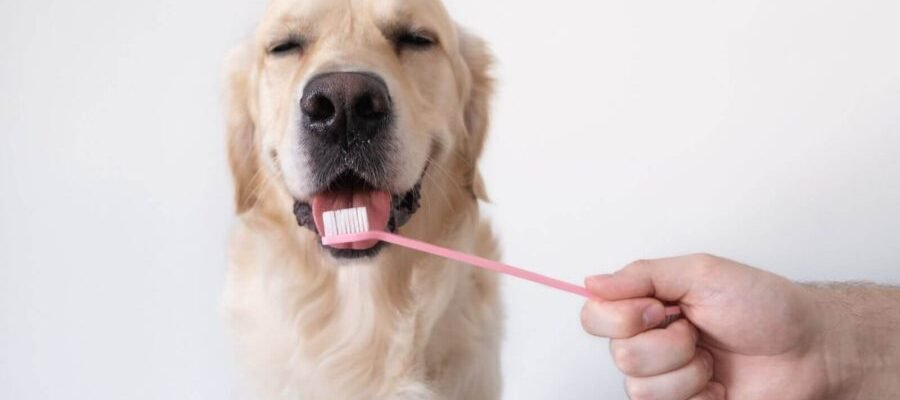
(346, 108)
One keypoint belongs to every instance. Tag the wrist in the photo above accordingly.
(858, 339)
(837, 342)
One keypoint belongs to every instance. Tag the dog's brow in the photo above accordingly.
(287, 25)
(390, 28)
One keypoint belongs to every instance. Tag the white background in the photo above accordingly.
(766, 131)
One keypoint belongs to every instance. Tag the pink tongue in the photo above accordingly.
(377, 204)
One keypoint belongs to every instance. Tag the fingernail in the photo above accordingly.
(654, 315)
(595, 277)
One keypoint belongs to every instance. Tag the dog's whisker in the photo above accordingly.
(257, 187)
(431, 162)
(444, 171)
(439, 187)
(260, 178)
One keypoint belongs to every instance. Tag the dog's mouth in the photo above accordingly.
(386, 211)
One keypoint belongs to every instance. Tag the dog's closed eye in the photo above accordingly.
(414, 40)
(286, 47)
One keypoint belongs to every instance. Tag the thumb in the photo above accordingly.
(667, 279)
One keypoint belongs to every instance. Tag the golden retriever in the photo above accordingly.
(375, 103)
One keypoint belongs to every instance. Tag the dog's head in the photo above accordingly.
(338, 104)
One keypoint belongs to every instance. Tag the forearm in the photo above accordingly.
(861, 339)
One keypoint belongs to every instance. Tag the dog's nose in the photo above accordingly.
(346, 108)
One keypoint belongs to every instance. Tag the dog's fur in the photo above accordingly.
(399, 325)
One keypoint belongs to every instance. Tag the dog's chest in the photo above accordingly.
(356, 332)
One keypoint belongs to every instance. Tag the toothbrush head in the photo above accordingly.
(348, 228)
(345, 221)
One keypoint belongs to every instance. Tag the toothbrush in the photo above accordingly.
(352, 225)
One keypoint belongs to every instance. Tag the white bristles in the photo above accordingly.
(345, 221)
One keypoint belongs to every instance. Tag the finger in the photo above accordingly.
(676, 385)
(713, 391)
(656, 351)
(665, 278)
(621, 319)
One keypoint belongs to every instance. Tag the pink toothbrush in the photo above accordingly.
(352, 225)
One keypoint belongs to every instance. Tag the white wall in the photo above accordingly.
(766, 131)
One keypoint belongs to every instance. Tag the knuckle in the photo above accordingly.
(638, 265)
(716, 391)
(685, 336)
(586, 317)
(706, 395)
(638, 390)
(621, 325)
(705, 365)
(705, 260)
(625, 357)
(686, 352)
(707, 270)
(607, 320)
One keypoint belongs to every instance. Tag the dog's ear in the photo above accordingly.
(241, 129)
(478, 61)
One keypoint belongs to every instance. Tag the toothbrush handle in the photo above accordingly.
(671, 311)
(483, 263)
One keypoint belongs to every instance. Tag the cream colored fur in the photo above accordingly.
(400, 325)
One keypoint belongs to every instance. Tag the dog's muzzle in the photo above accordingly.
(346, 123)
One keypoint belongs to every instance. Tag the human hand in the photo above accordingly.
(747, 332)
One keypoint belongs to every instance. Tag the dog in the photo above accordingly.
(375, 103)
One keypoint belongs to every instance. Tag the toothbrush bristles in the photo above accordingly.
(345, 221)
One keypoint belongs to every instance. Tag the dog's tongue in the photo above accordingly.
(377, 204)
